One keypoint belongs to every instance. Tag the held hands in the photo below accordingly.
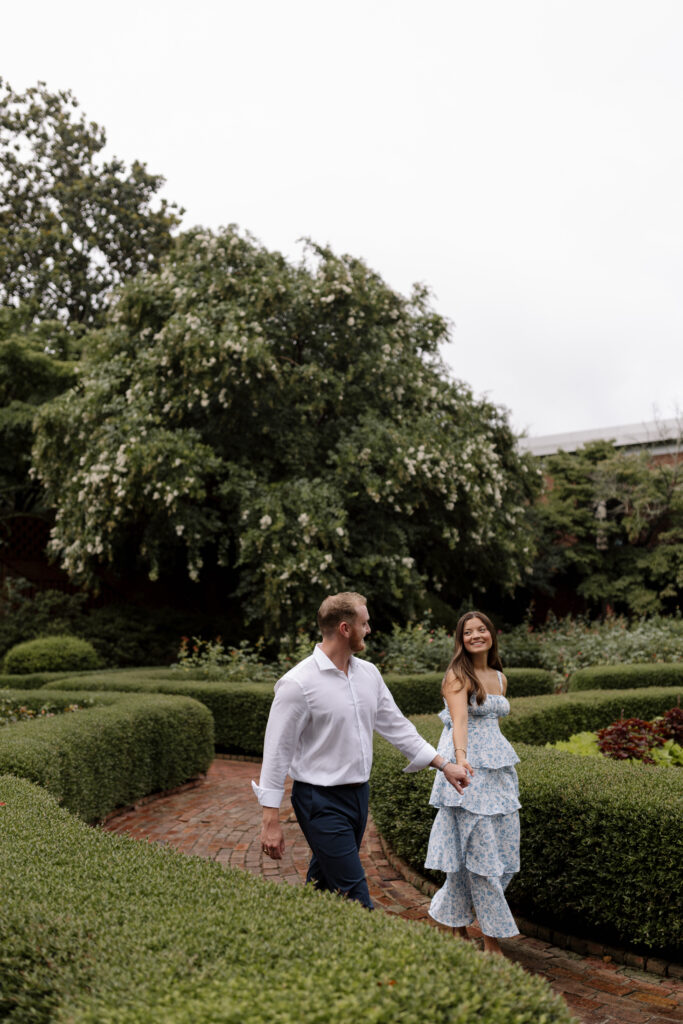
(458, 775)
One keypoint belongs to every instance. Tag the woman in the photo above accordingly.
(475, 836)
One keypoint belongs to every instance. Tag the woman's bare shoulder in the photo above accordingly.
(452, 683)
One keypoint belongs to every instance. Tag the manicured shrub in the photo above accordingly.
(626, 677)
(51, 654)
(34, 680)
(417, 694)
(420, 694)
(528, 682)
(101, 929)
(239, 710)
(601, 847)
(540, 720)
(120, 749)
(600, 840)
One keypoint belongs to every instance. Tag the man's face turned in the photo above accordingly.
(359, 629)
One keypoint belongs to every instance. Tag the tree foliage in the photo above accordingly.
(612, 528)
(292, 424)
(29, 374)
(71, 225)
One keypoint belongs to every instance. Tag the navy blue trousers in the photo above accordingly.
(333, 820)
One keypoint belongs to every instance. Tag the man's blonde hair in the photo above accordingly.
(339, 608)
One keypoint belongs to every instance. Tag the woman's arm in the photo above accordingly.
(455, 694)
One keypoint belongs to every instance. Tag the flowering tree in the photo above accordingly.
(291, 424)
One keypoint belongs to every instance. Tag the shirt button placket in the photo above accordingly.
(363, 750)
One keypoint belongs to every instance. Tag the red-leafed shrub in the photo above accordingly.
(630, 737)
(670, 725)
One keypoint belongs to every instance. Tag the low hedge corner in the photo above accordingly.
(102, 929)
(119, 749)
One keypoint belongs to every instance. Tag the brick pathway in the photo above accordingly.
(220, 819)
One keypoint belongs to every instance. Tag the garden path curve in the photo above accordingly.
(219, 819)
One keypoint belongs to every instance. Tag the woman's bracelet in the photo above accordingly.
(464, 749)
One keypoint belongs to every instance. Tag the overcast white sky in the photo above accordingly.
(524, 158)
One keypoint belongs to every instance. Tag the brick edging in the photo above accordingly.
(151, 797)
(238, 757)
(584, 947)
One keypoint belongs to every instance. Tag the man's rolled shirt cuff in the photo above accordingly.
(268, 797)
(425, 756)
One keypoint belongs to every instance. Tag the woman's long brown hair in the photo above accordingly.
(461, 663)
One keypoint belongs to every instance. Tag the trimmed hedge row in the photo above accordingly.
(529, 682)
(32, 681)
(626, 677)
(111, 754)
(421, 694)
(101, 929)
(601, 840)
(540, 720)
(240, 710)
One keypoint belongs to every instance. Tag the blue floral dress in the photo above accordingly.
(475, 837)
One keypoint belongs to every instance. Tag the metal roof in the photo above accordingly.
(661, 435)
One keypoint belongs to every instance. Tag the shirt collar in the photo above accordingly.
(324, 663)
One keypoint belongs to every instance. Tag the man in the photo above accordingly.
(320, 732)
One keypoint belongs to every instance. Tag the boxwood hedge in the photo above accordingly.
(420, 694)
(601, 840)
(33, 680)
(101, 929)
(540, 720)
(111, 754)
(240, 710)
(627, 677)
(51, 654)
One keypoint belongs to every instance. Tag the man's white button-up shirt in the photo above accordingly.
(321, 723)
